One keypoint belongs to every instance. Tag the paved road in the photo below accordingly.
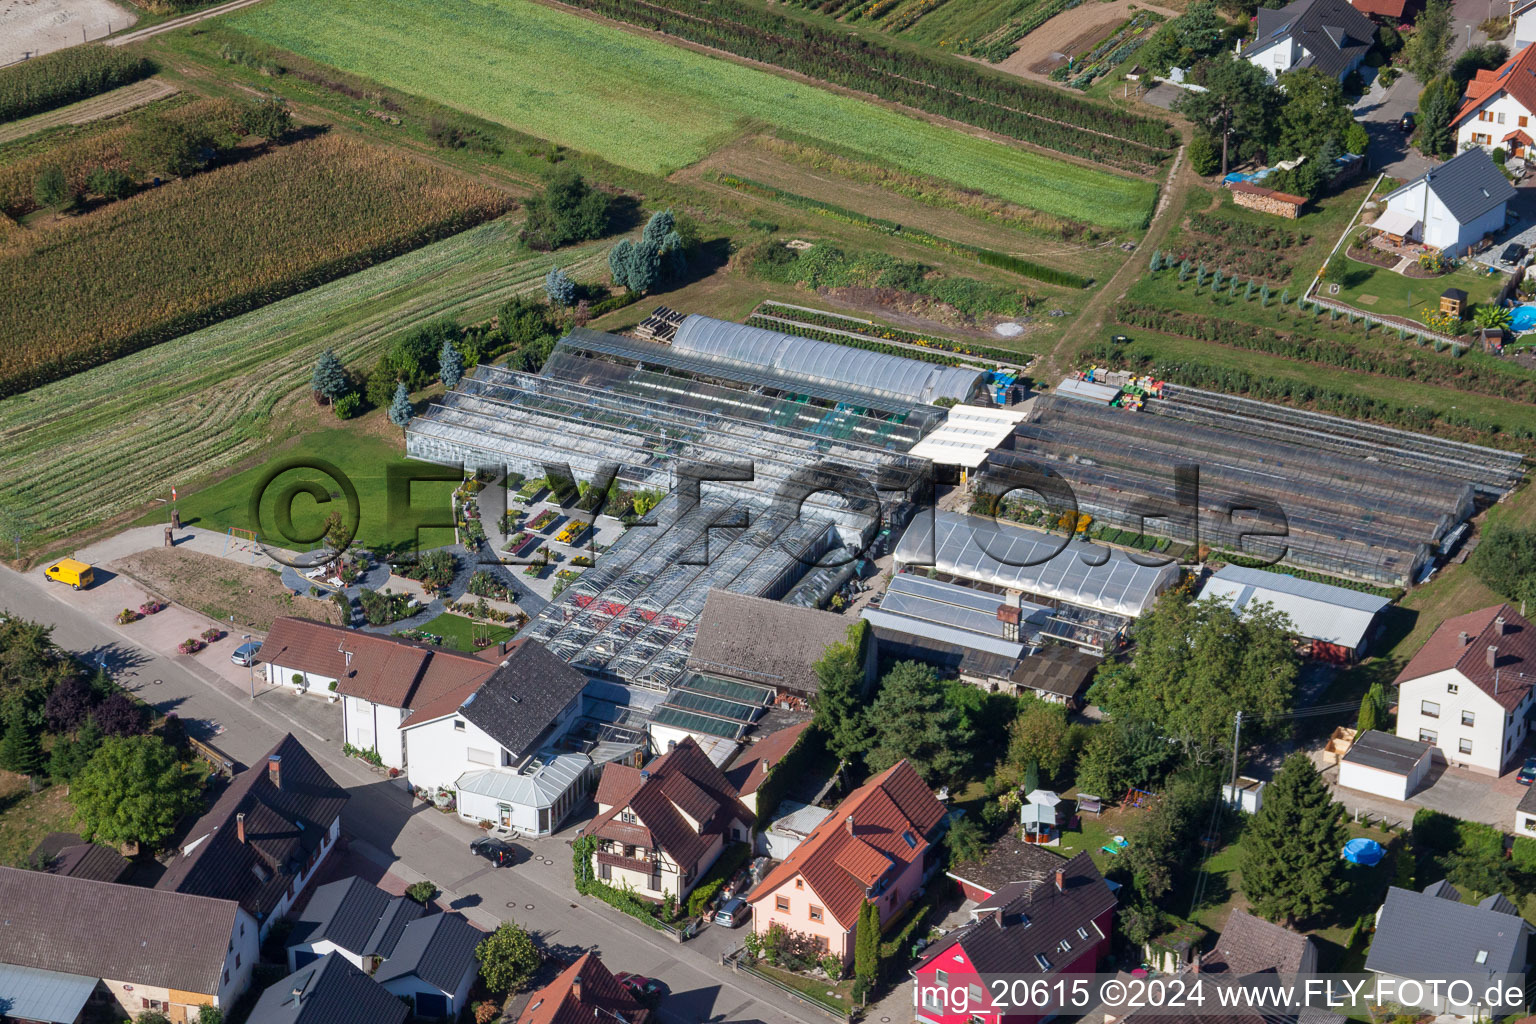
(421, 842)
(1380, 110)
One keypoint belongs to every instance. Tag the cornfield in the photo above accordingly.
(191, 253)
(65, 76)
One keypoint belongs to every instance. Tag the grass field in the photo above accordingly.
(172, 259)
(458, 631)
(1385, 293)
(83, 450)
(649, 106)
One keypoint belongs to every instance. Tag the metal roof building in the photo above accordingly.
(1037, 563)
(950, 613)
(1318, 611)
(970, 433)
(738, 346)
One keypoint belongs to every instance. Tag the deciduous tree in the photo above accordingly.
(133, 790)
(1505, 560)
(1291, 847)
(1428, 48)
(508, 958)
(569, 210)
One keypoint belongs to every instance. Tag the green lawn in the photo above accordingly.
(458, 631)
(1385, 293)
(363, 457)
(25, 818)
(650, 106)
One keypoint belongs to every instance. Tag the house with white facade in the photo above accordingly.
(499, 745)
(661, 827)
(264, 838)
(1468, 690)
(433, 965)
(1451, 207)
(1496, 110)
(1522, 15)
(1328, 35)
(352, 918)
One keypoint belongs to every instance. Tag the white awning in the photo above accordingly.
(1397, 222)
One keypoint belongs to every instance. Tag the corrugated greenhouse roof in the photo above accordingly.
(737, 344)
(969, 433)
(1033, 561)
(1318, 611)
(697, 723)
(539, 788)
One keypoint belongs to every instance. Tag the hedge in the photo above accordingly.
(65, 76)
(730, 860)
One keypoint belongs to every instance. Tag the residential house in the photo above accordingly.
(264, 838)
(1390, 12)
(1450, 207)
(328, 991)
(497, 743)
(1467, 691)
(1328, 35)
(380, 680)
(352, 918)
(1525, 813)
(1010, 859)
(1432, 934)
(660, 828)
(64, 853)
(757, 760)
(1337, 623)
(768, 643)
(583, 993)
(67, 944)
(1522, 15)
(880, 844)
(1496, 110)
(1251, 945)
(1040, 927)
(433, 965)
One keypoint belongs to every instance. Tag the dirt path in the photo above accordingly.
(94, 109)
(1070, 31)
(175, 23)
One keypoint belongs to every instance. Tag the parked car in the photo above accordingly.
(1513, 253)
(67, 570)
(732, 913)
(246, 653)
(1527, 772)
(647, 990)
(498, 851)
(1408, 123)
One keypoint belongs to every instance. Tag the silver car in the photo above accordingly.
(732, 913)
(246, 653)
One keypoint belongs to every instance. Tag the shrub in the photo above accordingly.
(423, 892)
(1524, 854)
(348, 405)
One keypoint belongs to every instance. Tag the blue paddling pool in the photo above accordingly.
(1523, 318)
(1367, 852)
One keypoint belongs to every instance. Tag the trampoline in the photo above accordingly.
(1523, 318)
(1366, 852)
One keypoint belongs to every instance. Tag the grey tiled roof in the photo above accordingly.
(328, 991)
(523, 696)
(1469, 184)
(1421, 935)
(356, 915)
(438, 949)
(1333, 32)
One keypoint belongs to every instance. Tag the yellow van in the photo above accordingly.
(76, 574)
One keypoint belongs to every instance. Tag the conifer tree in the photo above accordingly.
(400, 410)
(1291, 847)
(450, 365)
(19, 750)
(330, 379)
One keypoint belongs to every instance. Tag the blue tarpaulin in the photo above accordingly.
(1364, 851)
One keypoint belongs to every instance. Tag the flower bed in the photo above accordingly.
(191, 645)
(573, 534)
(543, 519)
(483, 584)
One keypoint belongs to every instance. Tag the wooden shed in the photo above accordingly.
(1266, 200)
(1453, 301)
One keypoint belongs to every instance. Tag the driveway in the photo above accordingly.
(1458, 792)
(1380, 110)
(1522, 226)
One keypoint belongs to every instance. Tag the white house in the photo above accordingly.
(1450, 207)
(498, 744)
(1328, 35)
(352, 918)
(433, 965)
(1523, 14)
(1496, 111)
(1386, 765)
(1468, 690)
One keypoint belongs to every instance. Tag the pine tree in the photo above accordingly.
(839, 703)
(450, 365)
(1184, 270)
(1031, 777)
(70, 756)
(400, 410)
(618, 262)
(1157, 260)
(1373, 708)
(330, 379)
(1290, 860)
(19, 750)
(560, 288)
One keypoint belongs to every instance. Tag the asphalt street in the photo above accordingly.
(418, 841)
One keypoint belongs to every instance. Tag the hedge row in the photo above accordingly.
(988, 257)
(1481, 379)
(964, 348)
(66, 76)
(1199, 374)
(866, 344)
(938, 84)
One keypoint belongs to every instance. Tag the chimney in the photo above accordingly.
(240, 826)
(1061, 879)
(1493, 655)
(275, 770)
(576, 987)
(849, 822)
(1194, 963)
(1499, 626)
(1463, 638)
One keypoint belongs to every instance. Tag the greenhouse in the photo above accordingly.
(953, 614)
(1045, 567)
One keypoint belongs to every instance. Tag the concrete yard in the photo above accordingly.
(33, 27)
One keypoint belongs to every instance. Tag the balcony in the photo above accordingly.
(640, 865)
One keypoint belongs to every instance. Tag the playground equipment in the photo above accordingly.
(241, 540)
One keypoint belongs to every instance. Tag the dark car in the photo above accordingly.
(1527, 772)
(497, 851)
(647, 990)
(1513, 253)
(1408, 123)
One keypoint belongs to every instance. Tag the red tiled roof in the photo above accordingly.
(1515, 77)
(884, 810)
(1394, 9)
(751, 767)
(443, 692)
(681, 782)
(382, 669)
(1514, 669)
(558, 1003)
(1518, 135)
(862, 861)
